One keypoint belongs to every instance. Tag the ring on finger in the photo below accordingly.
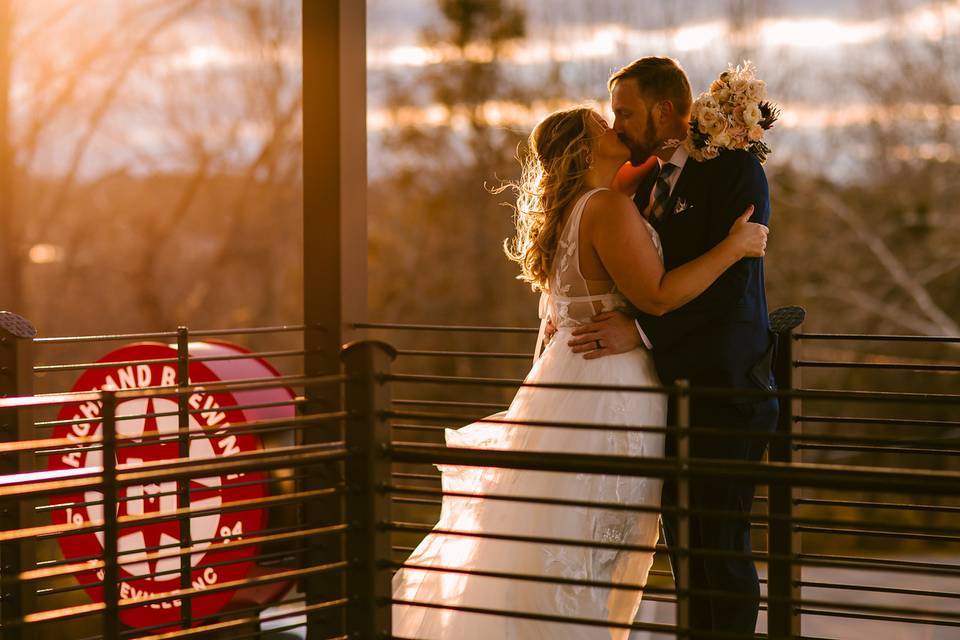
(599, 344)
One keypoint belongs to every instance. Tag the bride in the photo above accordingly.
(588, 249)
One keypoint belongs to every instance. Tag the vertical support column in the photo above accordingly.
(11, 285)
(183, 484)
(367, 473)
(334, 177)
(783, 575)
(682, 553)
(334, 255)
(111, 570)
(16, 379)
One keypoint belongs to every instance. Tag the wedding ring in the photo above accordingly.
(599, 346)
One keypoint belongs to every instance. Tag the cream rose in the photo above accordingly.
(751, 114)
(707, 119)
(722, 139)
(717, 127)
(757, 91)
(755, 133)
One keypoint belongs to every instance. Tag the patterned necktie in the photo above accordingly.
(661, 192)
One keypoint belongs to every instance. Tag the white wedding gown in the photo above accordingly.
(572, 301)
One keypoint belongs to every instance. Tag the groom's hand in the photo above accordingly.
(615, 331)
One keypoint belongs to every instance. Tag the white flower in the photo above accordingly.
(739, 86)
(757, 90)
(710, 152)
(751, 114)
(755, 133)
(722, 139)
(709, 119)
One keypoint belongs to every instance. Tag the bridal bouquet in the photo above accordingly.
(734, 114)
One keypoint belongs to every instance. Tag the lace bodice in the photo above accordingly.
(573, 299)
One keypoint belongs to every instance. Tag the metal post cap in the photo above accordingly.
(17, 326)
(787, 318)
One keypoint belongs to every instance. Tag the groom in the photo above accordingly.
(720, 339)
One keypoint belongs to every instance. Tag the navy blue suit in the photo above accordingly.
(720, 339)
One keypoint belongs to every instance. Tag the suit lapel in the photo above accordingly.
(686, 175)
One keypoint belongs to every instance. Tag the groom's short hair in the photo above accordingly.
(659, 79)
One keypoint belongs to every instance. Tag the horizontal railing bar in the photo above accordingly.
(416, 476)
(282, 576)
(174, 552)
(184, 513)
(159, 414)
(878, 564)
(200, 333)
(898, 422)
(252, 427)
(877, 449)
(76, 366)
(174, 545)
(626, 586)
(280, 457)
(871, 588)
(269, 480)
(803, 394)
(878, 534)
(239, 612)
(451, 403)
(876, 505)
(873, 338)
(413, 527)
(877, 617)
(132, 578)
(443, 327)
(229, 386)
(694, 430)
(756, 518)
(411, 415)
(642, 626)
(895, 366)
(108, 337)
(465, 354)
(790, 474)
(280, 328)
(647, 588)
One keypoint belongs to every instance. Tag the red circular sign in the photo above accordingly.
(147, 433)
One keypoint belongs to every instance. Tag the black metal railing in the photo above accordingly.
(829, 531)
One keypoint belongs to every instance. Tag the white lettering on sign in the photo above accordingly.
(229, 445)
(168, 377)
(208, 577)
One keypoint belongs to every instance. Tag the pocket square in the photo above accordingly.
(682, 205)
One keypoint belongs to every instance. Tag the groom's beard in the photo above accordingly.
(641, 150)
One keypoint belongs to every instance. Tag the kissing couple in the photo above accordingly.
(646, 239)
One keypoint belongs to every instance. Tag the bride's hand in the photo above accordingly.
(750, 238)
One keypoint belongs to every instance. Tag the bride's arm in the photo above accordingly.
(627, 252)
(629, 178)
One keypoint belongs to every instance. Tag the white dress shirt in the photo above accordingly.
(679, 158)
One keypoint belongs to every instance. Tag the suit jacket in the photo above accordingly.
(721, 338)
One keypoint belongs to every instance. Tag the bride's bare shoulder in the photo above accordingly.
(607, 208)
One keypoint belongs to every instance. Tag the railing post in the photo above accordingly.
(783, 575)
(111, 570)
(183, 484)
(681, 575)
(367, 473)
(16, 379)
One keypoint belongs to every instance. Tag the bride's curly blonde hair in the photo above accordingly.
(554, 170)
